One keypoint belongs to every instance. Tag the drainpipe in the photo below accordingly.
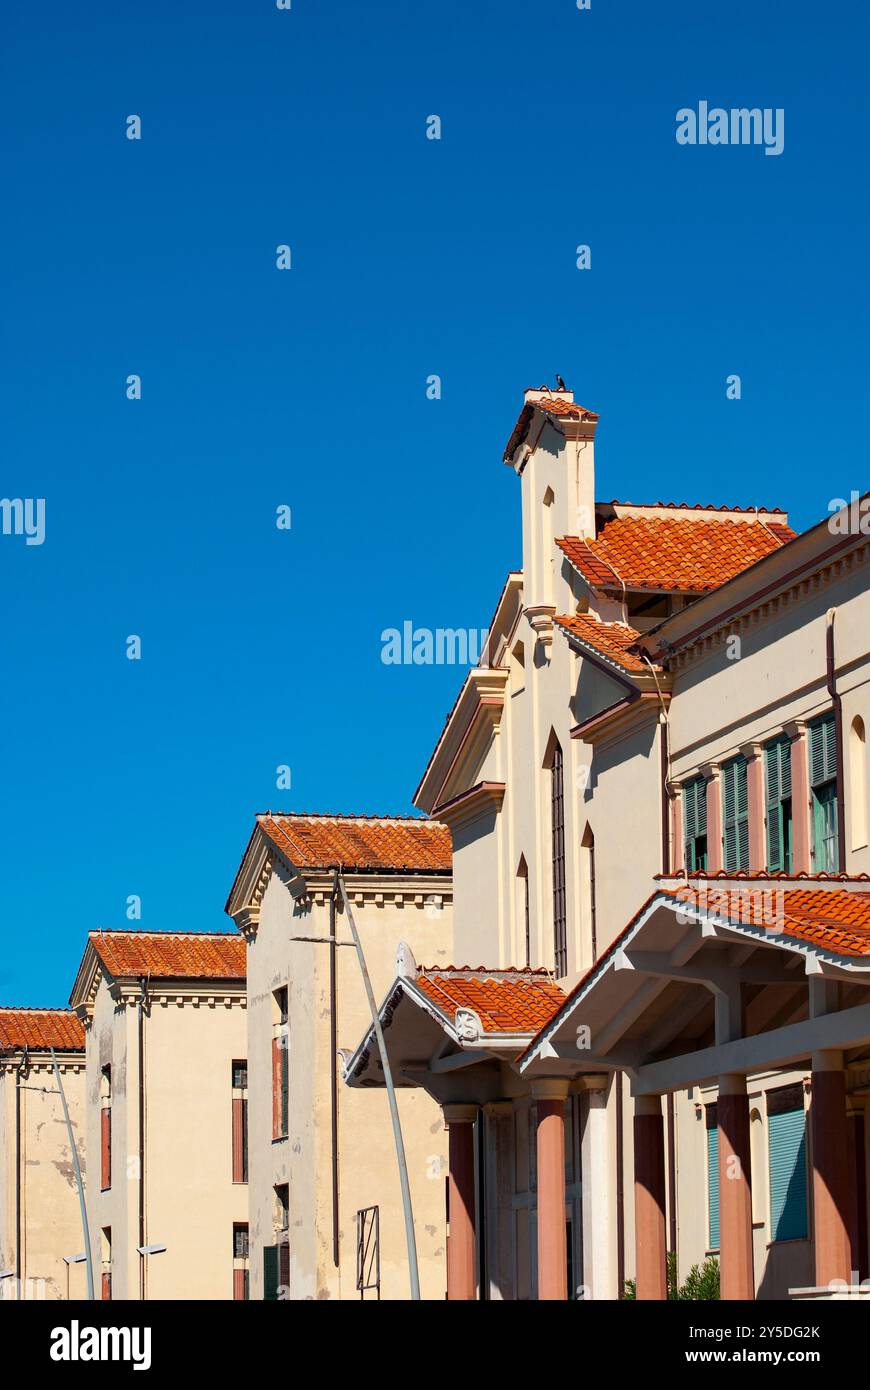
(333, 1066)
(837, 704)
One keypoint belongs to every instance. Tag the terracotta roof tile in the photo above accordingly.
(171, 955)
(504, 1001)
(683, 554)
(836, 919)
(551, 405)
(41, 1029)
(360, 842)
(609, 640)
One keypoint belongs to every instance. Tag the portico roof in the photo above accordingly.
(712, 977)
(438, 1022)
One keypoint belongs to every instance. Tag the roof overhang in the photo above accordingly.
(827, 543)
(475, 717)
(687, 992)
(450, 1058)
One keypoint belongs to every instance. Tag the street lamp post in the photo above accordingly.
(79, 1184)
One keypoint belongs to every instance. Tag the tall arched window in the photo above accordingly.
(557, 799)
(858, 783)
(587, 846)
(523, 913)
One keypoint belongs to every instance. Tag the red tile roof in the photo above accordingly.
(41, 1029)
(171, 955)
(392, 844)
(836, 919)
(504, 1001)
(609, 640)
(689, 555)
(551, 405)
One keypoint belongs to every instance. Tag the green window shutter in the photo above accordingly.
(270, 1273)
(735, 814)
(777, 757)
(695, 824)
(823, 751)
(826, 850)
(712, 1178)
(787, 1148)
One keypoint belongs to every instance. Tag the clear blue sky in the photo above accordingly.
(307, 387)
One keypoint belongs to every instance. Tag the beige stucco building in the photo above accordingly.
(165, 1041)
(667, 693)
(40, 1214)
(325, 1202)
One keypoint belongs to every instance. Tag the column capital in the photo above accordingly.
(459, 1114)
(829, 1059)
(752, 749)
(648, 1105)
(710, 769)
(590, 1081)
(795, 728)
(734, 1084)
(551, 1088)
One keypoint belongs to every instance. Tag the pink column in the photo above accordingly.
(649, 1198)
(755, 796)
(830, 1169)
(550, 1094)
(461, 1261)
(714, 817)
(800, 797)
(737, 1271)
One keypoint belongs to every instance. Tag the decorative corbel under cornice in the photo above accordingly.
(540, 619)
(247, 919)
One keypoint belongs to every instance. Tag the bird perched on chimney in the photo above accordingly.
(560, 383)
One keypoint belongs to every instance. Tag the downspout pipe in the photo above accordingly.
(837, 705)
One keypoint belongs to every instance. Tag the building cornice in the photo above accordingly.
(814, 575)
(479, 707)
(485, 797)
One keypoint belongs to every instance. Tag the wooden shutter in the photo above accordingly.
(823, 751)
(284, 1265)
(777, 757)
(276, 1088)
(735, 817)
(694, 821)
(270, 1273)
(787, 1162)
(239, 1107)
(106, 1286)
(106, 1147)
(240, 1285)
(712, 1122)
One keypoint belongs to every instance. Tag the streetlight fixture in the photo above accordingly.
(72, 1260)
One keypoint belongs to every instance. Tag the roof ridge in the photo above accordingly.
(152, 931)
(37, 1009)
(346, 815)
(698, 507)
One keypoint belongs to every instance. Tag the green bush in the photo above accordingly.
(701, 1284)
